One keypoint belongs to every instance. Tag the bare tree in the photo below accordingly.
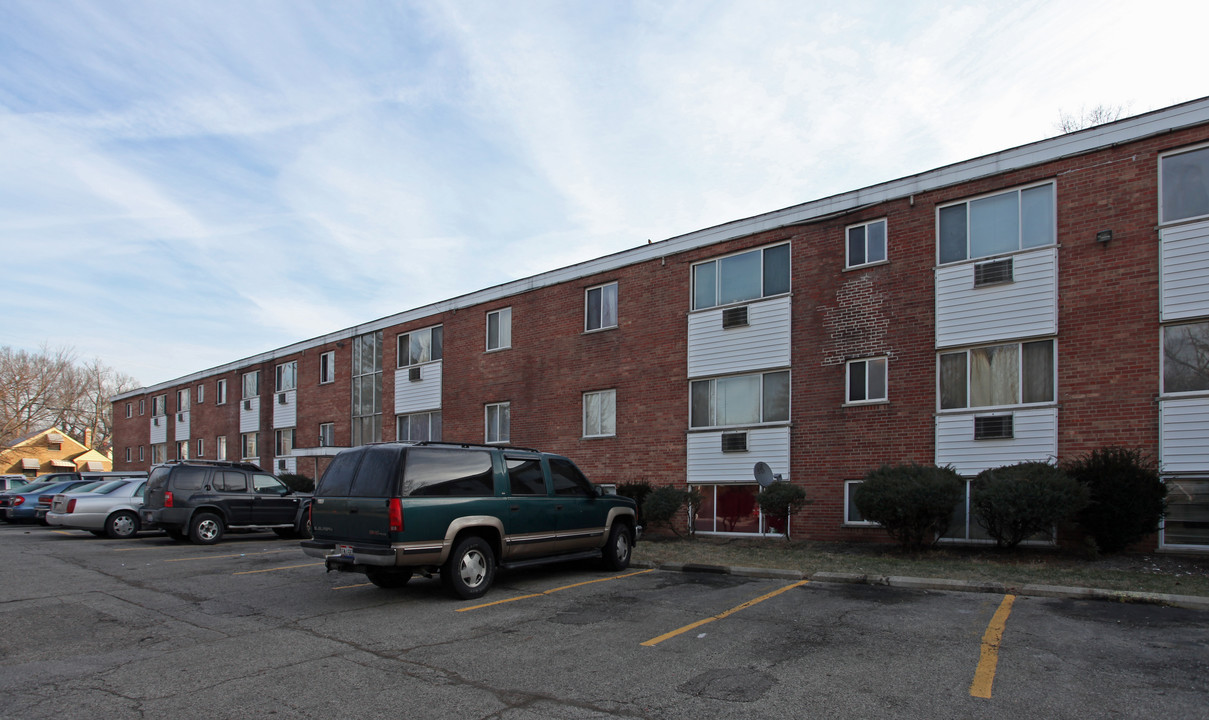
(1085, 118)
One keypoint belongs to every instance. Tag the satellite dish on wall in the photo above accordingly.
(764, 475)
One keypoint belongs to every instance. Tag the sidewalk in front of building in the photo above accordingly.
(1192, 602)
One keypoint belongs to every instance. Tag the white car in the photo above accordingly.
(109, 510)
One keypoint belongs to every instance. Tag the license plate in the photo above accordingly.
(344, 551)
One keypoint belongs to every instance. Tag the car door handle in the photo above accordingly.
(558, 507)
(514, 508)
(353, 511)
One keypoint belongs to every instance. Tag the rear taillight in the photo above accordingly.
(396, 515)
(19, 500)
(44, 500)
(168, 499)
(71, 505)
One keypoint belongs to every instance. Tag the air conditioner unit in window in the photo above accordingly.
(734, 442)
(155, 421)
(281, 464)
(993, 427)
(734, 317)
(247, 405)
(180, 417)
(281, 398)
(413, 374)
(993, 273)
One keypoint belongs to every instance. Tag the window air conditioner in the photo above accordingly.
(993, 427)
(413, 375)
(247, 405)
(734, 442)
(734, 317)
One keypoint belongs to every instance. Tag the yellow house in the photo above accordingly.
(51, 450)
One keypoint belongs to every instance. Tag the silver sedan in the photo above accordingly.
(109, 510)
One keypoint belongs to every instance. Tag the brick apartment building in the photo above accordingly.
(1032, 304)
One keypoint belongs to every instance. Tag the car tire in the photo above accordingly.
(619, 548)
(388, 578)
(470, 569)
(176, 535)
(122, 525)
(205, 529)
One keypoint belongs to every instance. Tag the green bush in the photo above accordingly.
(1127, 498)
(1016, 501)
(778, 502)
(297, 483)
(665, 503)
(637, 491)
(912, 502)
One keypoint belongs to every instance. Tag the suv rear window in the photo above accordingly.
(378, 472)
(338, 478)
(456, 473)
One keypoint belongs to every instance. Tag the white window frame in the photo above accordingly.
(881, 360)
(1162, 185)
(220, 392)
(286, 376)
(182, 400)
(279, 447)
(713, 400)
(503, 322)
(849, 487)
(1164, 360)
(328, 438)
(129, 409)
(142, 406)
(128, 455)
(694, 278)
(201, 448)
(598, 423)
(220, 449)
(254, 445)
(159, 453)
(1020, 380)
(1018, 191)
(182, 450)
(141, 454)
(602, 315)
(254, 376)
(497, 435)
(885, 249)
(403, 346)
(327, 367)
(159, 405)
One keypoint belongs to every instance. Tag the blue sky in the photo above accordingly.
(183, 184)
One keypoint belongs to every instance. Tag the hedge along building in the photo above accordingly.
(1033, 304)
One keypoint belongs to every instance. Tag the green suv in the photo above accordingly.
(392, 509)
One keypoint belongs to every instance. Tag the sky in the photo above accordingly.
(184, 184)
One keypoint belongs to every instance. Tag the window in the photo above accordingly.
(600, 410)
(421, 346)
(327, 367)
(141, 456)
(867, 380)
(250, 445)
(251, 384)
(159, 454)
(1184, 184)
(182, 450)
(418, 427)
(852, 516)
(499, 329)
(996, 224)
(159, 405)
(142, 406)
(201, 394)
(287, 376)
(866, 244)
(220, 392)
(1187, 505)
(748, 275)
(220, 447)
(284, 442)
(128, 455)
(129, 410)
(327, 434)
(230, 481)
(498, 423)
(525, 475)
(600, 307)
(201, 447)
(728, 509)
(997, 375)
(182, 400)
(367, 388)
(568, 480)
(450, 474)
(1186, 358)
(740, 400)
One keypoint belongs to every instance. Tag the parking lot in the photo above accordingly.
(252, 627)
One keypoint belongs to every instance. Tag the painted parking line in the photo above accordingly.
(988, 658)
(220, 557)
(346, 587)
(283, 567)
(553, 590)
(667, 636)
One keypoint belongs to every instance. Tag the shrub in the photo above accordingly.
(297, 483)
(1127, 498)
(663, 505)
(912, 502)
(637, 491)
(1016, 501)
(778, 502)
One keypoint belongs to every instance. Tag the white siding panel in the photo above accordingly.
(1025, 307)
(285, 465)
(249, 415)
(423, 394)
(159, 430)
(1184, 435)
(1036, 438)
(708, 464)
(182, 426)
(1185, 272)
(285, 414)
(763, 343)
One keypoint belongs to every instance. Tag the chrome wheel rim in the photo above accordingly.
(622, 548)
(123, 525)
(207, 529)
(473, 569)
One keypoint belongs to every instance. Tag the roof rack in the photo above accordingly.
(217, 463)
(473, 445)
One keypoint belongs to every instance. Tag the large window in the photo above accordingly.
(995, 375)
(1186, 521)
(600, 307)
(159, 453)
(866, 244)
(251, 384)
(418, 427)
(287, 376)
(1186, 358)
(740, 400)
(1185, 185)
(327, 367)
(327, 434)
(220, 447)
(499, 329)
(997, 224)
(866, 380)
(251, 445)
(182, 400)
(728, 509)
(367, 388)
(182, 450)
(852, 515)
(159, 405)
(746, 276)
(600, 410)
(283, 444)
(499, 422)
(421, 346)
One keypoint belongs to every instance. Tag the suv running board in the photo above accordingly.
(585, 555)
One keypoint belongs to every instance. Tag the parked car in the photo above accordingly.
(393, 509)
(12, 482)
(112, 509)
(201, 500)
(22, 504)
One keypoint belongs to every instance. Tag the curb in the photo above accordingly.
(1191, 602)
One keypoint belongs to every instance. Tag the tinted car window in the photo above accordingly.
(229, 481)
(107, 487)
(159, 477)
(338, 478)
(568, 480)
(448, 473)
(525, 476)
(377, 474)
(268, 485)
(189, 478)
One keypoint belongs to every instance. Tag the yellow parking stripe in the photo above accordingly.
(666, 636)
(283, 567)
(988, 658)
(346, 587)
(554, 590)
(219, 557)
